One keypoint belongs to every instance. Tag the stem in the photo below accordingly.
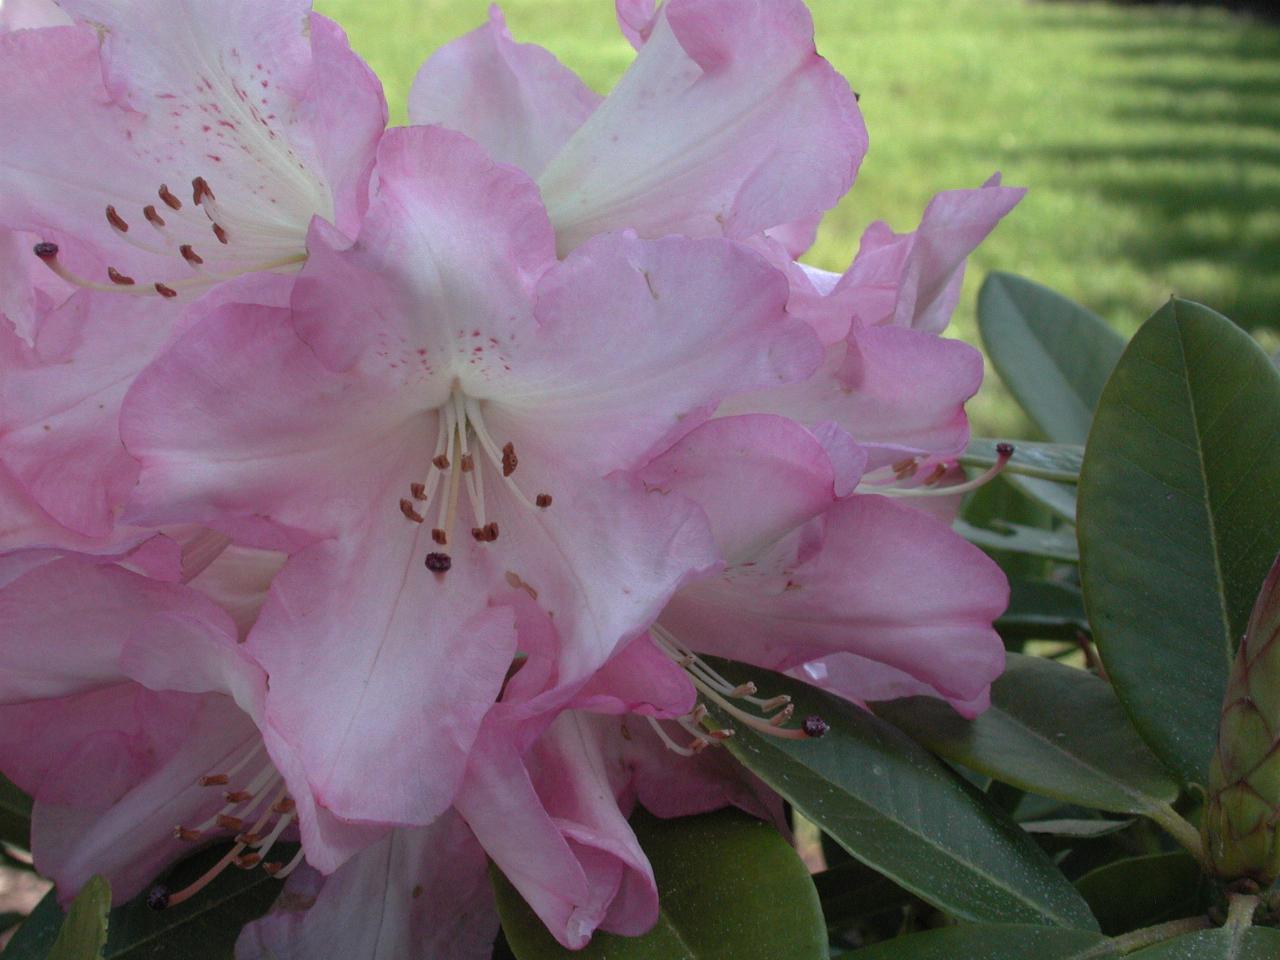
(1240, 910)
(1146, 937)
(1182, 831)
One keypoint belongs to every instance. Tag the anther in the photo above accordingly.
(439, 562)
(284, 805)
(272, 868)
(173, 202)
(509, 459)
(724, 733)
(543, 500)
(186, 834)
(477, 533)
(234, 824)
(906, 468)
(158, 897)
(783, 715)
(468, 464)
(220, 233)
(153, 218)
(406, 507)
(814, 726)
(743, 690)
(248, 861)
(440, 462)
(248, 839)
(200, 190)
(214, 780)
(45, 250)
(491, 531)
(237, 796)
(440, 537)
(938, 473)
(418, 491)
(116, 277)
(116, 220)
(167, 292)
(189, 254)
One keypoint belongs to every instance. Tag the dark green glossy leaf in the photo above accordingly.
(729, 885)
(1052, 730)
(1050, 461)
(15, 815)
(1254, 943)
(852, 891)
(1052, 354)
(1059, 498)
(84, 932)
(1143, 891)
(205, 926)
(1179, 521)
(898, 809)
(1076, 829)
(992, 942)
(999, 501)
(1043, 610)
(1015, 538)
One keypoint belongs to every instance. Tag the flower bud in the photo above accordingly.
(1242, 818)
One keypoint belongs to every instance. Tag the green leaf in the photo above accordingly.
(15, 815)
(1016, 538)
(1052, 730)
(84, 932)
(1052, 354)
(204, 926)
(1179, 521)
(1043, 610)
(992, 942)
(1060, 498)
(1075, 829)
(852, 891)
(1254, 943)
(1143, 891)
(904, 813)
(729, 886)
(1049, 461)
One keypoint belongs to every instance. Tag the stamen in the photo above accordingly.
(440, 537)
(440, 462)
(418, 491)
(200, 190)
(406, 507)
(1004, 452)
(543, 500)
(116, 220)
(467, 463)
(248, 861)
(153, 218)
(119, 278)
(214, 780)
(221, 233)
(173, 202)
(189, 255)
(166, 291)
(237, 796)
(186, 834)
(283, 872)
(666, 740)
(234, 824)
(509, 459)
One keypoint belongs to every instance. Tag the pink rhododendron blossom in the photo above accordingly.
(442, 415)
(217, 133)
(130, 715)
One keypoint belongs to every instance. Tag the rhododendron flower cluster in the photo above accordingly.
(378, 489)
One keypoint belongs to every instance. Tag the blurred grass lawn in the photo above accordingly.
(1150, 136)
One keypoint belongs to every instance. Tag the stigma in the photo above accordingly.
(207, 243)
(465, 454)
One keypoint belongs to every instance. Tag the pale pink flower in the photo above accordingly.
(441, 417)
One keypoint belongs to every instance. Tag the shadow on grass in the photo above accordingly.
(1198, 97)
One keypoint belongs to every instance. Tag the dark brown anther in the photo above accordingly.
(158, 897)
(234, 824)
(200, 190)
(45, 250)
(478, 534)
(116, 220)
(214, 780)
(814, 726)
(440, 462)
(167, 292)
(1004, 449)
(189, 255)
(439, 562)
(248, 839)
(284, 805)
(418, 491)
(439, 536)
(543, 500)
(186, 834)
(905, 467)
(939, 472)
(220, 233)
(467, 463)
(272, 868)
(509, 460)
(237, 796)
(153, 218)
(119, 278)
(248, 861)
(491, 531)
(170, 200)
(406, 507)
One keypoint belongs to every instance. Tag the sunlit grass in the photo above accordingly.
(1150, 136)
